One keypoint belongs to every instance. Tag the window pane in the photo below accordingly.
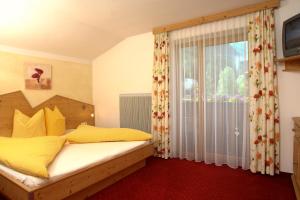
(226, 71)
(190, 72)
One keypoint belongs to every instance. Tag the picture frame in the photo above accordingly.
(38, 76)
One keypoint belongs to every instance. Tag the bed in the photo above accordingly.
(101, 164)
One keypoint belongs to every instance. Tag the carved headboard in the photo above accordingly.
(75, 111)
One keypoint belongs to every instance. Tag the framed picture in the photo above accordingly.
(38, 76)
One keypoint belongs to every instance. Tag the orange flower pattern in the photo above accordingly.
(264, 114)
(160, 96)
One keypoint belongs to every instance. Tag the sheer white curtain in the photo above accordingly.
(208, 93)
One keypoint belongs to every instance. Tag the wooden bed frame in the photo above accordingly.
(80, 184)
(76, 185)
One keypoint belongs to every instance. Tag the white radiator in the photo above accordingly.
(135, 111)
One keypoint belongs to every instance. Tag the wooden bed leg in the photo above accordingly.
(106, 182)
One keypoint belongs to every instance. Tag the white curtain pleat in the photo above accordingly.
(208, 93)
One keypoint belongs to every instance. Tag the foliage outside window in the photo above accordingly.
(225, 72)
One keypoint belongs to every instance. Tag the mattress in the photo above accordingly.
(77, 156)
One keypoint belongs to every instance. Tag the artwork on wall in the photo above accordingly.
(38, 76)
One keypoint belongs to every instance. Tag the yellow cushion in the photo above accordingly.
(25, 126)
(88, 134)
(55, 122)
(30, 155)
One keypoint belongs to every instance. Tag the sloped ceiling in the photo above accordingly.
(86, 28)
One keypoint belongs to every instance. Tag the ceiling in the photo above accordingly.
(85, 29)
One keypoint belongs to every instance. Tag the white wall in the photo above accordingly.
(289, 89)
(125, 68)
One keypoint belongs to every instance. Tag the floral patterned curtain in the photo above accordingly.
(160, 96)
(264, 114)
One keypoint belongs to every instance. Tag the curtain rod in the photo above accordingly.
(219, 16)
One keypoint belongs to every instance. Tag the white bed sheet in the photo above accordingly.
(76, 156)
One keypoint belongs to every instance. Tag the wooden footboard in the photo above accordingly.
(83, 194)
(13, 189)
(80, 184)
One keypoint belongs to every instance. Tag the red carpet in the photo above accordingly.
(186, 180)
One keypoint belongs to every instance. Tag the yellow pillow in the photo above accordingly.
(30, 155)
(25, 126)
(55, 122)
(88, 134)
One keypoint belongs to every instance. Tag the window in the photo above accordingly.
(190, 73)
(225, 76)
(226, 71)
(208, 92)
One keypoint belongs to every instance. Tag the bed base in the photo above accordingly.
(105, 183)
(80, 184)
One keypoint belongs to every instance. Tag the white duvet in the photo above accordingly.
(76, 156)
